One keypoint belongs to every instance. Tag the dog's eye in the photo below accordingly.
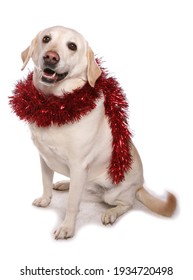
(72, 46)
(46, 39)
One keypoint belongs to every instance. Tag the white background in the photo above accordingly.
(148, 46)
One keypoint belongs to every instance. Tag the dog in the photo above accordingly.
(63, 62)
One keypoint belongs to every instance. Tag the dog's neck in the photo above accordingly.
(66, 85)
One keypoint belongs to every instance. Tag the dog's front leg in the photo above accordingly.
(47, 180)
(78, 177)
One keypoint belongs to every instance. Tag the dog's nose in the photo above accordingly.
(51, 57)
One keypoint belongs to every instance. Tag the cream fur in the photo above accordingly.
(82, 150)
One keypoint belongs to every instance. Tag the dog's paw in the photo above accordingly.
(109, 216)
(42, 201)
(61, 186)
(64, 232)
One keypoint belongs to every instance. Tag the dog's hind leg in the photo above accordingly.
(110, 215)
(61, 185)
(121, 198)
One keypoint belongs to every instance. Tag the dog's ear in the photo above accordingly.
(93, 70)
(27, 53)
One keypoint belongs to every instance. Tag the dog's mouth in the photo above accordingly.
(50, 76)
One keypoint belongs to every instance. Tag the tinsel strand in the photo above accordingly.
(116, 108)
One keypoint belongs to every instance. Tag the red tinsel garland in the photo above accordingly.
(33, 106)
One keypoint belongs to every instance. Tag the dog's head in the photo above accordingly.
(61, 55)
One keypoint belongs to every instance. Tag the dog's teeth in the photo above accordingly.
(49, 76)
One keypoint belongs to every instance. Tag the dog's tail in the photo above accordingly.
(161, 207)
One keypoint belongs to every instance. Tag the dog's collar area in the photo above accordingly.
(50, 76)
(44, 111)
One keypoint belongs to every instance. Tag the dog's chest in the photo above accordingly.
(81, 142)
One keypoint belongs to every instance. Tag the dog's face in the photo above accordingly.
(61, 54)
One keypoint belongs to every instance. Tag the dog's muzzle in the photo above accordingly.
(51, 59)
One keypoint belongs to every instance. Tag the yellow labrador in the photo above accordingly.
(64, 61)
